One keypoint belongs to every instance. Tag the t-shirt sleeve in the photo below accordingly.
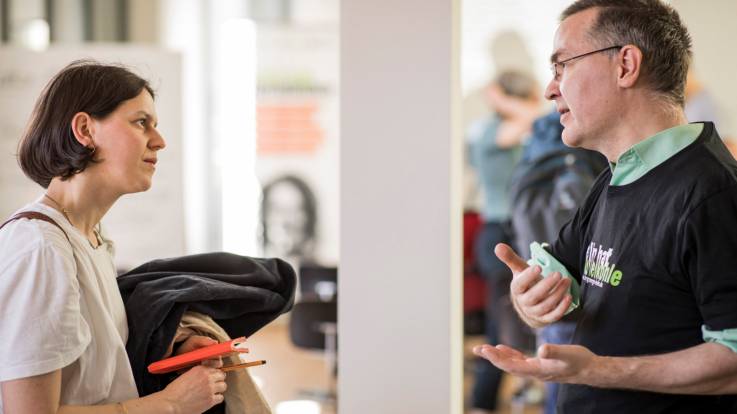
(567, 247)
(41, 325)
(709, 258)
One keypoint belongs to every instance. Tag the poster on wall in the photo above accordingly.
(144, 226)
(298, 143)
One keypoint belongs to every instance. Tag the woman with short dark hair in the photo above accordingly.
(91, 138)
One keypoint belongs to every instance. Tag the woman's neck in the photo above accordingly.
(80, 201)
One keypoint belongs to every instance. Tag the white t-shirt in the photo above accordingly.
(60, 308)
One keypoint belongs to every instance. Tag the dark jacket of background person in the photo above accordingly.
(241, 294)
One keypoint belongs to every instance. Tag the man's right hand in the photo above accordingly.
(539, 301)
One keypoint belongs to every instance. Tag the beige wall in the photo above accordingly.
(712, 26)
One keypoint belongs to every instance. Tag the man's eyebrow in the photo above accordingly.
(554, 56)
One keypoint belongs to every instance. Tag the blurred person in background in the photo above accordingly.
(701, 106)
(494, 147)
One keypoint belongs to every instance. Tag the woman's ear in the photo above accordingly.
(83, 129)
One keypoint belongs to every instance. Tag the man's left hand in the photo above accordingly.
(553, 363)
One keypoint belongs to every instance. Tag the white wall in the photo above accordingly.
(483, 21)
(400, 241)
(713, 32)
(184, 28)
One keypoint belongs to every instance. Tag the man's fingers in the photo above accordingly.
(548, 301)
(525, 280)
(495, 356)
(510, 351)
(549, 351)
(559, 310)
(499, 351)
(539, 291)
(482, 350)
(513, 364)
(545, 287)
(507, 255)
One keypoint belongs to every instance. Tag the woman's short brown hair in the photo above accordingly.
(48, 147)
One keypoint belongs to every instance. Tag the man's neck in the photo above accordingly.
(636, 125)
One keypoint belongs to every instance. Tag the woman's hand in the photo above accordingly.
(197, 390)
(194, 342)
(199, 341)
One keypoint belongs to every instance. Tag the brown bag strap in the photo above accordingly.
(33, 215)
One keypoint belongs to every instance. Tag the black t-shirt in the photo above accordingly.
(656, 260)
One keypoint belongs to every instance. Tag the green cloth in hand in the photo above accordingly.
(549, 264)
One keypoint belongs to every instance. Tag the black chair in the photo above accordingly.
(313, 322)
(318, 283)
(309, 324)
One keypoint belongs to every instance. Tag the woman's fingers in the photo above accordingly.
(213, 363)
(195, 342)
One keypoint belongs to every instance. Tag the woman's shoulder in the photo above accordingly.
(25, 236)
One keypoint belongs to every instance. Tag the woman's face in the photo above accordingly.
(126, 142)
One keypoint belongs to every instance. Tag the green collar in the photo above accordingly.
(648, 154)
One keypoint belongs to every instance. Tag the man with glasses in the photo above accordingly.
(653, 247)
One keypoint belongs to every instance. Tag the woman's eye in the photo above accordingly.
(141, 122)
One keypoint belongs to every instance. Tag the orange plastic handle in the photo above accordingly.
(198, 355)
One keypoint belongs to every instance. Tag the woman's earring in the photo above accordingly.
(94, 148)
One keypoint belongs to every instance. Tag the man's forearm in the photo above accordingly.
(708, 368)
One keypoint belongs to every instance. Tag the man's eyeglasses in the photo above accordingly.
(556, 68)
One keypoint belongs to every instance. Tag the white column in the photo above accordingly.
(400, 322)
(184, 28)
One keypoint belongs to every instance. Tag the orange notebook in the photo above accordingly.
(191, 358)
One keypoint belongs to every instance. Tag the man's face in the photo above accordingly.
(585, 90)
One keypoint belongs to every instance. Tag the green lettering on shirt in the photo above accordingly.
(616, 278)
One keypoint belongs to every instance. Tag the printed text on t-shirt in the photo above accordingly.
(597, 270)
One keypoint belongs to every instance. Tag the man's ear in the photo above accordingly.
(84, 129)
(630, 62)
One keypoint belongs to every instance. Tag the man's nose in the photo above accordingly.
(552, 91)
